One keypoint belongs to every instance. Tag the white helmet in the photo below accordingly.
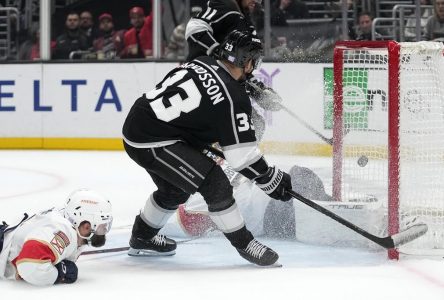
(86, 205)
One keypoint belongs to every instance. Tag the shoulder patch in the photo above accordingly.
(60, 241)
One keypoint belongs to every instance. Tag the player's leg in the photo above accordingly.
(279, 217)
(308, 184)
(224, 212)
(3, 227)
(177, 170)
(158, 209)
(194, 223)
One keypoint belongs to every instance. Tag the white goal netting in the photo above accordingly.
(364, 161)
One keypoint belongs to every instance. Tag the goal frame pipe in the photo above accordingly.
(394, 52)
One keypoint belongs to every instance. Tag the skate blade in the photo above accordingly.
(145, 252)
(275, 265)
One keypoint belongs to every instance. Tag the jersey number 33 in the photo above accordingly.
(178, 104)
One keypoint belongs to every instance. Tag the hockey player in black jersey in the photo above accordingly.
(205, 33)
(167, 129)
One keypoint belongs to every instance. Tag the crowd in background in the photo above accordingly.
(90, 36)
(82, 39)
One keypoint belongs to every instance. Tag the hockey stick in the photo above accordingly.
(108, 250)
(277, 105)
(308, 126)
(388, 242)
(121, 249)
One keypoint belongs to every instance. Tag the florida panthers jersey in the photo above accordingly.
(211, 26)
(31, 251)
(199, 103)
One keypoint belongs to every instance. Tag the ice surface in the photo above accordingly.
(206, 268)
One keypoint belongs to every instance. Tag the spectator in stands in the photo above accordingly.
(30, 49)
(410, 26)
(139, 39)
(72, 40)
(288, 9)
(87, 26)
(363, 32)
(110, 43)
(176, 45)
(434, 30)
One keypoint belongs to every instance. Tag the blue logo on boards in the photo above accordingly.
(108, 95)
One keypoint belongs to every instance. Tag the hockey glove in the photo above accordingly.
(264, 96)
(275, 183)
(67, 271)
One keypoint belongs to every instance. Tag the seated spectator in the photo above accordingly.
(434, 29)
(363, 32)
(110, 43)
(139, 39)
(288, 9)
(30, 49)
(72, 40)
(410, 25)
(176, 46)
(87, 27)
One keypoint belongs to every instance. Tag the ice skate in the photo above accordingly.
(142, 242)
(159, 245)
(259, 254)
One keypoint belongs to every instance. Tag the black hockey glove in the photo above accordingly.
(265, 96)
(254, 87)
(67, 271)
(275, 183)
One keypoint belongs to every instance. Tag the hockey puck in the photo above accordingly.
(362, 161)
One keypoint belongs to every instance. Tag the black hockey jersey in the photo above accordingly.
(199, 103)
(211, 26)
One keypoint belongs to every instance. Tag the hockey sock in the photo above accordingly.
(154, 215)
(240, 238)
(143, 230)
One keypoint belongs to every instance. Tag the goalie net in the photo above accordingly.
(389, 109)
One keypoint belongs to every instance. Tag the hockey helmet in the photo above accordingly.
(240, 47)
(87, 205)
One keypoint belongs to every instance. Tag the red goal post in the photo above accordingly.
(388, 118)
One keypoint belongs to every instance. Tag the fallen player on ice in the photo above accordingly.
(43, 249)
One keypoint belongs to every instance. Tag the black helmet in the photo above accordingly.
(240, 47)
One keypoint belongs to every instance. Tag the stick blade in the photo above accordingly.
(409, 234)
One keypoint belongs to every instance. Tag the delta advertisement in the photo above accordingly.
(57, 102)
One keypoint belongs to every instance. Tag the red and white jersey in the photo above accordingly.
(31, 251)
